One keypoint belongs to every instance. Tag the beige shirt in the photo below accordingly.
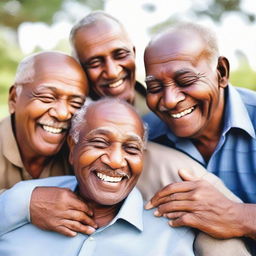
(11, 166)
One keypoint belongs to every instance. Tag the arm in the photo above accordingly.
(51, 208)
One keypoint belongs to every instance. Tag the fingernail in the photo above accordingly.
(91, 230)
(170, 222)
(157, 213)
(149, 206)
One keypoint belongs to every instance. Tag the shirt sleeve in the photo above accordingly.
(14, 206)
(15, 202)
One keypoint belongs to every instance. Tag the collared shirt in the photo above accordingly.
(11, 166)
(134, 231)
(234, 159)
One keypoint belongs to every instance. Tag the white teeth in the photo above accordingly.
(183, 113)
(52, 129)
(108, 178)
(116, 84)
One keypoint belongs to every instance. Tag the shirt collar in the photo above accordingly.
(236, 114)
(132, 210)
(10, 147)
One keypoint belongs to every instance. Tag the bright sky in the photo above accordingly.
(234, 33)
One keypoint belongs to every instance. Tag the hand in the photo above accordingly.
(60, 210)
(196, 203)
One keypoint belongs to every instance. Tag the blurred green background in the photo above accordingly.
(55, 17)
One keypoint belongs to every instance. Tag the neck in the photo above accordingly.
(102, 214)
(34, 165)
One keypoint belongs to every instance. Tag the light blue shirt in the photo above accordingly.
(134, 231)
(234, 159)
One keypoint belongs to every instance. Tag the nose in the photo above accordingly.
(171, 97)
(61, 111)
(112, 69)
(114, 158)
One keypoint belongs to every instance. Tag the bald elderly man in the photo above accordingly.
(49, 87)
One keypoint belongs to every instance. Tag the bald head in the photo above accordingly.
(185, 38)
(94, 19)
(111, 106)
(46, 63)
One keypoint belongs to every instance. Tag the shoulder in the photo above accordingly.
(249, 99)
(156, 127)
(58, 181)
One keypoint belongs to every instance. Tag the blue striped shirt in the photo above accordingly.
(234, 159)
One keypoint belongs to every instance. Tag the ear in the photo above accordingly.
(71, 145)
(12, 99)
(223, 71)
(134, 51)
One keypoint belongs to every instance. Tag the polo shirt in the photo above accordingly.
(234, 159)
(134, 231)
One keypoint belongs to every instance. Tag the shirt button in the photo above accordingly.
(91, 238)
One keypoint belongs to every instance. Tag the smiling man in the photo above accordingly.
(209, 119)
(49, 87)
(106, 150)
(107, 54)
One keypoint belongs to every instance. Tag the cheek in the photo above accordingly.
(136, 164)
(93, 74)
(88, 157)
(152, 100)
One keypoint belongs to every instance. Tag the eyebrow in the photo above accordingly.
(150, 78)
(108, 131)
(177, 73)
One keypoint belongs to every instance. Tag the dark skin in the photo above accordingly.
(42, 113)
(110, 67)
(186, 90)
(108, 58)
(108, 157)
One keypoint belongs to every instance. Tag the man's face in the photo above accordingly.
(108, 157)
(44, 108)
(108, 57)
(182, 85)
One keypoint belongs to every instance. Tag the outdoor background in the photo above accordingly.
(27, 26)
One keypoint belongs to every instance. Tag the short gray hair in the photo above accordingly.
(90, 19)
(79, 118)
(25, 73)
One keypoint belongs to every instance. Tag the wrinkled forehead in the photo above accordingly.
(115, 116)
(101, 31)
(174, 45)
(53, 67)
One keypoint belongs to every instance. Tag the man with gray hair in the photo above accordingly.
(209, 119)
(49, 88)
(106, 152)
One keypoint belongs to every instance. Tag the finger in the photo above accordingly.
(175, 206)
(76, 204)
(76, 226)
(188, 175)
(184, 220)
(174, 215)
(80, 217)
(177, 187)
(65, 231)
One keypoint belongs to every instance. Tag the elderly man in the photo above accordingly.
(49, 87)
(114, 58)
(106, 150)
(203, 115)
